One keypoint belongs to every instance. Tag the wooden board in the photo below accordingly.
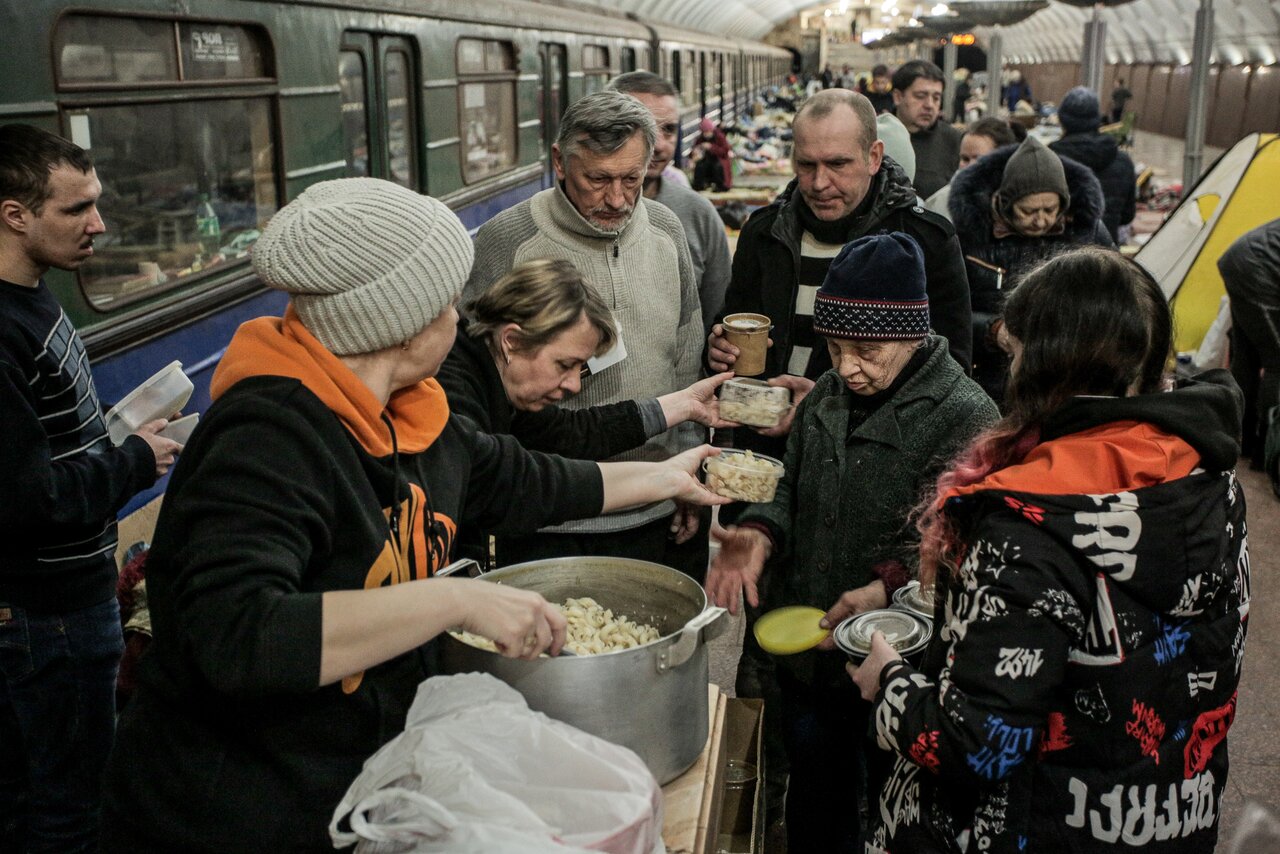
(691, 802)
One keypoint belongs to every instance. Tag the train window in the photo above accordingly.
(355, 112)
(186, 187)
(399, 112)
(628, 59)
(595, 68)
(95, 49)
(689, 81)
(187, 183)
(486, 107)
(221, 52)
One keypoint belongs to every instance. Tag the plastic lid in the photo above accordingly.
(786, 631)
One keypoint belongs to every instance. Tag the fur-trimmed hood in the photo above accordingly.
(972, 188)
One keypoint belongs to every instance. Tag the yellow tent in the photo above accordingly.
(1237, 194)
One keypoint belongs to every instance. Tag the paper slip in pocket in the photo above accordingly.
(179, 430)
(616, 354)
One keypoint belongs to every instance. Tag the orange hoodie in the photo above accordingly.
(1115, 457)
(283, 347)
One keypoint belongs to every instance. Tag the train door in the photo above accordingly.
(553, 98)
(379, 125)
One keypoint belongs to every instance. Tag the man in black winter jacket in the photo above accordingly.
(1080, 116)
(844, 188)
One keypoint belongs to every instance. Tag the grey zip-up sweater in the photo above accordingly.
(644, 274)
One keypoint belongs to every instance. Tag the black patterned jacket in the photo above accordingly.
(1078, 693)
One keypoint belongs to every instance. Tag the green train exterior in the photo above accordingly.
(204, 118)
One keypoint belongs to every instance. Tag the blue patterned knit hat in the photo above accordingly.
(874, 291)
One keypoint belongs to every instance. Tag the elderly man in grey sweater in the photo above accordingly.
(634, 252)
(708, 245)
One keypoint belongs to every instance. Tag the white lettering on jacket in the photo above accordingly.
(1017, 662)
(1111, 534)
(1137, 815)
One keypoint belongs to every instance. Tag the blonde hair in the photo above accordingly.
(543, 297)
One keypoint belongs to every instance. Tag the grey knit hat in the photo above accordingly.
(1032, 169)
(368, 263)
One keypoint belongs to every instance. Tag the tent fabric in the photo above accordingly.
(1236, 195)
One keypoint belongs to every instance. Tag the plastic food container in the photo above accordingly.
(163, 394)
(905, 631)
(914, 598)
(743, 476)
(754, 402)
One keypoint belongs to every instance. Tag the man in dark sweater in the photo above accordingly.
(917, 100)
(60, 639)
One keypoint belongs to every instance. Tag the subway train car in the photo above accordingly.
(204, 119)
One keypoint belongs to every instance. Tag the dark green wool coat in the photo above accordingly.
(842, 506)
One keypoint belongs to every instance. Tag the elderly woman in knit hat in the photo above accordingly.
(1014, 208)
(291, 580)
(872, 435)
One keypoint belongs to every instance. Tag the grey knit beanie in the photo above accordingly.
(368, 263)
(1032, 169)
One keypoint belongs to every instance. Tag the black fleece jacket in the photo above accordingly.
(470, 379)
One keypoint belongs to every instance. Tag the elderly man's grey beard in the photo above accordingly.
(624, 216)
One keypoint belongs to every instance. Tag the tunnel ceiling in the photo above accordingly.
(1139, 31)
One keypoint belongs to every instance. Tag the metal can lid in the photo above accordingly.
(906, 632)
(915, 598)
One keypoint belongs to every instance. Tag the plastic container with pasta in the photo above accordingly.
(743, 475)
(753, 402)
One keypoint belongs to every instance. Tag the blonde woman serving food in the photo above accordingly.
(525, 345)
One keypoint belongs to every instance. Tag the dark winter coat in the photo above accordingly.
(937, 153)
(766, 265)
(1114, 169)
(1077, 694)
(841, 509)
(1015, 255)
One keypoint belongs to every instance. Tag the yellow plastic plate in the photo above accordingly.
(786, 631)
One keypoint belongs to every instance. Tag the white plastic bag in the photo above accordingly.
(477, 771)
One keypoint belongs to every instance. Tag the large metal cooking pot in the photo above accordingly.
(652, 698)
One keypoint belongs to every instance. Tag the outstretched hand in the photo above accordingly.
(684, 469)
(736, 570)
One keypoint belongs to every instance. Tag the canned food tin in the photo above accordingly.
(906, 632)
(754, 402)
(914, 598)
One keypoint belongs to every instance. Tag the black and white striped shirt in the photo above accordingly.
(64, 478)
